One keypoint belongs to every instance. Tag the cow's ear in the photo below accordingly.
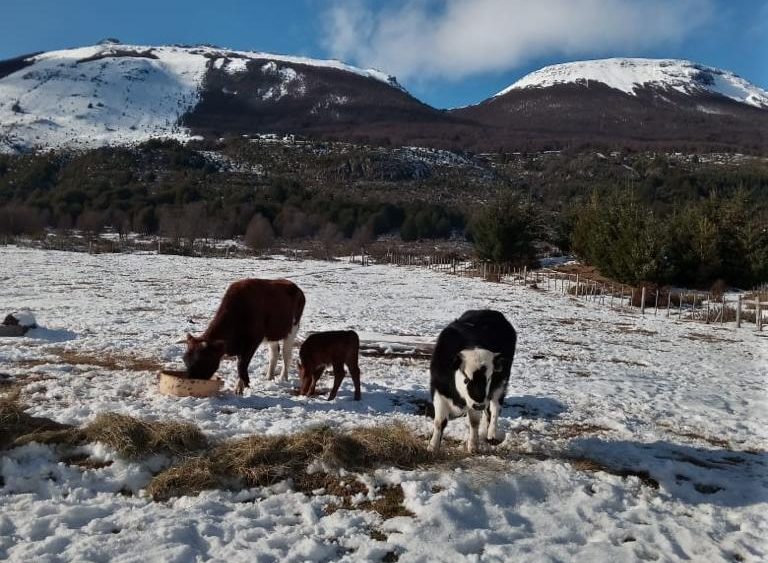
(458, 361)
(190, 339)
(498, 362)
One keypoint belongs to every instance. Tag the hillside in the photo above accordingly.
(115, 94)
(111, 94)
(628, 101)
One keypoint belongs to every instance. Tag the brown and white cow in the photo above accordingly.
(250, 312)
(333, 348)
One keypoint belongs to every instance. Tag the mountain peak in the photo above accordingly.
(630, 74)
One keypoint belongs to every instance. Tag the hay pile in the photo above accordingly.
(199, 464)
(265, 460)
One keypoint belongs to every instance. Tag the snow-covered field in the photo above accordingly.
(681, 404)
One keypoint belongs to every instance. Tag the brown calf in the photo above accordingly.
(334, 348)
(251, 311)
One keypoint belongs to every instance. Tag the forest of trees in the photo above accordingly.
(717, 238)
(652, 221)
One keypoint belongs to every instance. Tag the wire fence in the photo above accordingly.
(735, 310)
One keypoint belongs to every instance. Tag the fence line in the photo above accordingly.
(686, 305)
(689, 305)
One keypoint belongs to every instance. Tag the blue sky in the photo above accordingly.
(445, 52)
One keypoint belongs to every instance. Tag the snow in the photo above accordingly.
(628, 74)
(62, 100)
(690, 412)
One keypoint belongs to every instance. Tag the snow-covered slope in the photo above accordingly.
(628, 75)
(626, 437)
(116, 94)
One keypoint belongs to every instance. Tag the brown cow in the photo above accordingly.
(251, 311)
(334, 348)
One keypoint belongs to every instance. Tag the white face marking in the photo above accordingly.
(471, 361)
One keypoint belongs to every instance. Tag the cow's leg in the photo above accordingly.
(338, 375)
(473, 424)
(442, 409)
(493, 409)
(288, 342)
(274, 351)
(316, 375)
(354, 372)
(243, 361)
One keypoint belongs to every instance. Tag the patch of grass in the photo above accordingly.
(707, 337)
(18, 427)
(627, 362)
(388, 504)
(569, 431)
(133, 438)
(630, 329)
(377, 535)
(593, 465)
(714, 440)
(191, 477)
(392, 444)
(265, 460)
(107, 360)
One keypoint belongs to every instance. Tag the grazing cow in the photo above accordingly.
(469, 372)
(333, 348)
(251, 311)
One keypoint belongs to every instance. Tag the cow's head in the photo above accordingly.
(202, 357)
(307, 375)
(473, 370)
(305, 379)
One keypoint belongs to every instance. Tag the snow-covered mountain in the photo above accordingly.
(114, 94)
(631, 75)
(638, 102)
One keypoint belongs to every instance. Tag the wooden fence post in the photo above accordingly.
(758, 313)
(722, 308)
(669, 301)
(642, 301)
(707, 313)
(738, 312)
(656, 306)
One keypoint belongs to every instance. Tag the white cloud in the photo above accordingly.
(457, 38)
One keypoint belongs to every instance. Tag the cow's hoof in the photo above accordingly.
(239, 388)
(492, 441)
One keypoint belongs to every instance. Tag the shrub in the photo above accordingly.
(505, 232)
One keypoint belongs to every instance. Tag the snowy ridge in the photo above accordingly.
(629, 74)
(122, 94)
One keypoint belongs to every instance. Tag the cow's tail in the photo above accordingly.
(298, 307)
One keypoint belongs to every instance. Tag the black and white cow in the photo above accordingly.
(469, 371)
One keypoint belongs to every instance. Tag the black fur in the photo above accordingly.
(474, 329)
